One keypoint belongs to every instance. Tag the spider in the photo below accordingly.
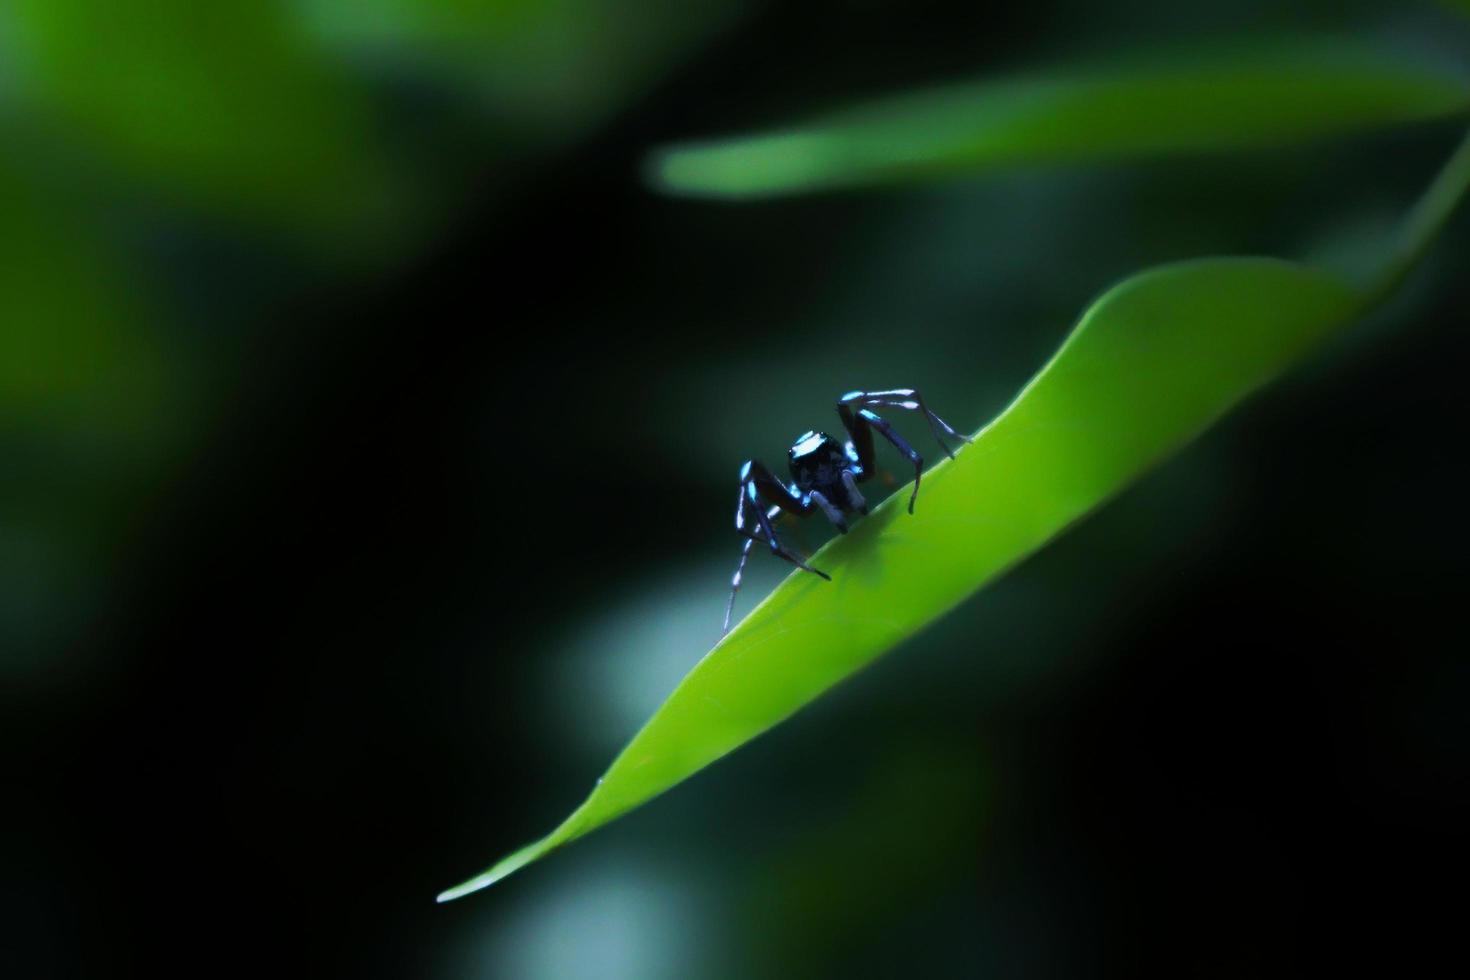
(826, 473)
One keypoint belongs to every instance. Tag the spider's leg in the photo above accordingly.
(750, 539)
(758, 484)
(911, 400)
(780, 550)
(758, 488)
(760, 535)
(833, 514)
(755, 477)
(860, 425)
(862, 441)
(735, 584)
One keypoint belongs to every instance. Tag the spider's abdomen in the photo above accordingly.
(817, 461)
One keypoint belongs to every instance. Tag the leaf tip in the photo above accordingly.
(503, 868)
(742, 168)
(686, 170)
(459, 891)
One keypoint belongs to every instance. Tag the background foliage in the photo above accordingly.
(368, 428)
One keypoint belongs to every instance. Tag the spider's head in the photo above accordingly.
(817, 463)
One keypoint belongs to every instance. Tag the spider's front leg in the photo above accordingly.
(758, 484)
(855, 409)
(908, 399)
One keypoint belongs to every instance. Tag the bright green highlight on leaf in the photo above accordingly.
(1151, 364)
(1218, 100)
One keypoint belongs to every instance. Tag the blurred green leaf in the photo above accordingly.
(1212, 101)
(1150, 365)
(79, 360)
(90, 404)
(1423, 224)
(540, 68)
(220, 106)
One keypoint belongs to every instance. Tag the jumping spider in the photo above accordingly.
(826, 473)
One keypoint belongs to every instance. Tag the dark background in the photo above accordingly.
(431, 516)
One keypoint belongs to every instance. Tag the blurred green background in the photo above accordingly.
(368, 437)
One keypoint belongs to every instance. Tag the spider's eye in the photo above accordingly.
(809, 443)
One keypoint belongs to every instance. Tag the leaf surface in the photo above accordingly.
(1149, 366)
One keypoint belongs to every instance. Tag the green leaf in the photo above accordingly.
(1216, 100)
(216, 106)
(1151, 364)
(539, 68)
